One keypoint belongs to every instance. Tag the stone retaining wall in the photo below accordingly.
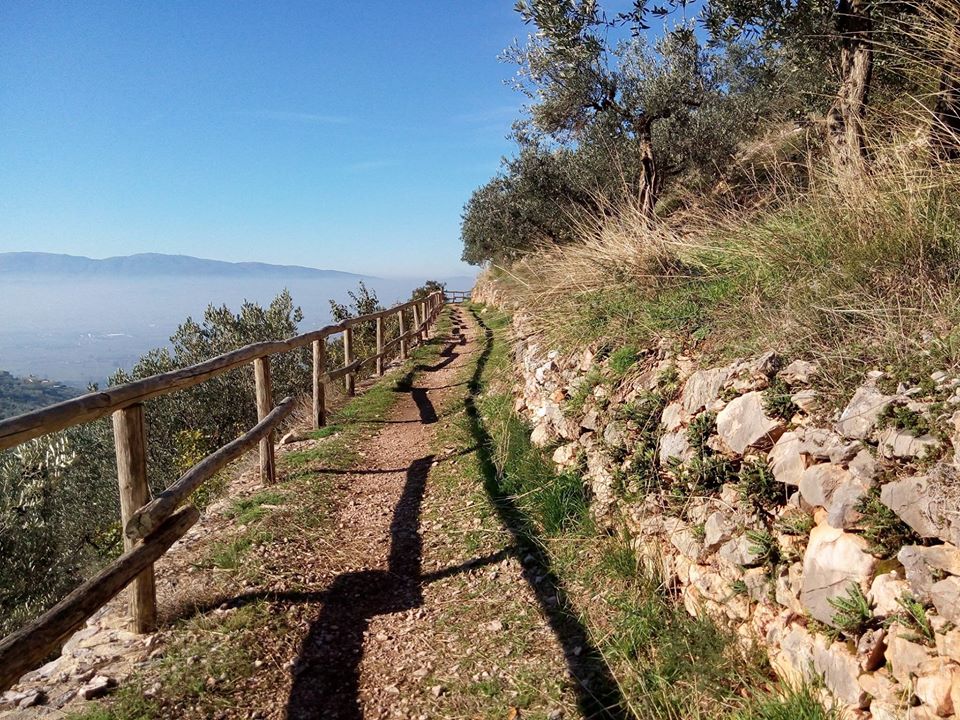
(829, 537)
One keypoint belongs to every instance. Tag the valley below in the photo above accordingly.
(77, 330)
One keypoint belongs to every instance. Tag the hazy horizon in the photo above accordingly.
(78, 330)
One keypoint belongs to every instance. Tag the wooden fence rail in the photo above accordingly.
(151, 526)
(457, 296)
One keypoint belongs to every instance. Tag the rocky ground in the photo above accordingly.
(829, 537)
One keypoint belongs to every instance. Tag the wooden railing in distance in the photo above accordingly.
(150, 527)
(457, 296)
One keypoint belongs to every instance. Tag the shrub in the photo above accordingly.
(853, 614)
(59, 518)
(758, 486)
(903, 418)
(777, 402)
(882, 527)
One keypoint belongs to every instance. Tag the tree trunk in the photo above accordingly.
(845, 119)
(649, 190)
(945, 131)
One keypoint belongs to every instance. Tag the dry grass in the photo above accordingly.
(855, 273)
(852, 273)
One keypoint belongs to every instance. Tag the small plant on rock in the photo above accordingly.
(765, 549)
(583, 390)
(706, 474)
(881, 527)
(914, 616)
(668, 382)
(777, 402)
(645, 411)
(795, 522)
(699, 431)
(642, 474)
(758, 486)
(853, 614)
(706, 471)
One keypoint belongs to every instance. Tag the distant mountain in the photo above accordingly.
(151, 264)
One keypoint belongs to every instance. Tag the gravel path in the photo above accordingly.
(429, 614)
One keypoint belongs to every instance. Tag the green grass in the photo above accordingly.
(667, 664)
(619, 560)
(622, 359)
(789, 704)
(553, 503)
(325, 431)
(250, 509)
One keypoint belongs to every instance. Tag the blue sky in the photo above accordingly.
(344, 135)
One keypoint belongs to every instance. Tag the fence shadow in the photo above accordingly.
(327, 671)
(598, 695)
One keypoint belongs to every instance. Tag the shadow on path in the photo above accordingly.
(327, 672)
(598, 695)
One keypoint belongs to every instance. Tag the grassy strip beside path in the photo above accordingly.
(651, 659)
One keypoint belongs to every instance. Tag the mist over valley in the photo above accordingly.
(76, 320)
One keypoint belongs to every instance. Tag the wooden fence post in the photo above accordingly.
(380, 345)
(348, 379)
(425, 333)
(261, 372)
(319, 367)
(130, 440)
(416, 324)
(403, 331)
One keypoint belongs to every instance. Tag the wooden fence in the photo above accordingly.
(151, 526)
(458, 296)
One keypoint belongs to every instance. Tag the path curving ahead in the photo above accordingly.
(381, 523)
(437, 608)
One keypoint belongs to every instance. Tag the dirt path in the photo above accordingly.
(417, 623)
(336, 674)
